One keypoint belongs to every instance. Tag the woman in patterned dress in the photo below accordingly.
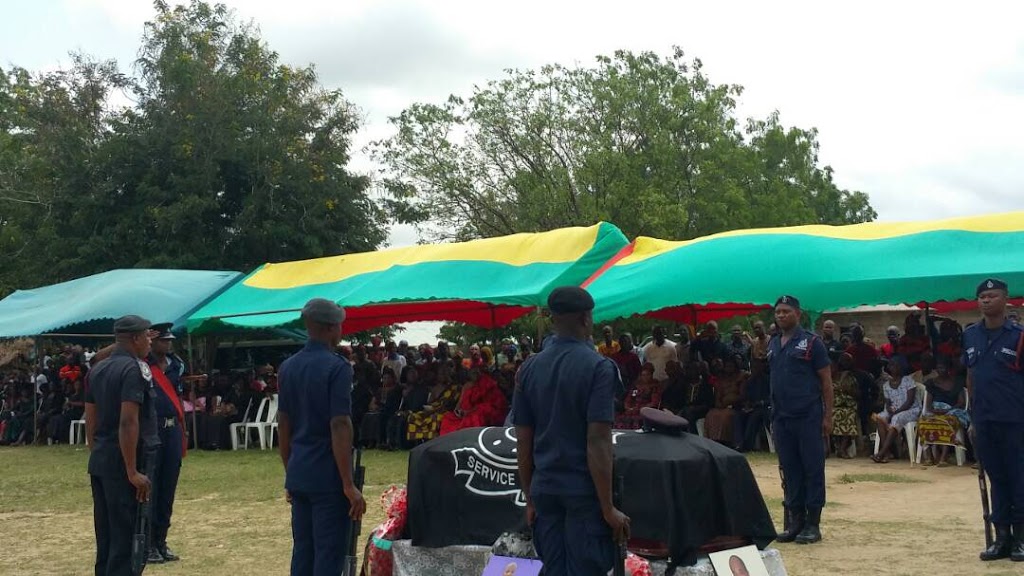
(846, 390)
(425, 424)
(945, 420)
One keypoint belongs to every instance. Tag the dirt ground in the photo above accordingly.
(231, 518)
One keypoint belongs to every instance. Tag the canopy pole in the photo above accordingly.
(35, 392)
(928, 327)
(494, 332)
(192, 395)
(540, 328)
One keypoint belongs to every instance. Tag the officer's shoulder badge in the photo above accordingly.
(146, 373)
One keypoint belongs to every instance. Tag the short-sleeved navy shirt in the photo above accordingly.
(559, 391)
(796, 387)
(315, 386)
(119, 378)
(993, 357)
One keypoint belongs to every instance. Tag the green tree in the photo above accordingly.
(460, 334)
(233, 158)
(53, 127)
(226, 159)
(646, 142)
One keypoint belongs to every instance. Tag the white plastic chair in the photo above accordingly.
(271, 426)
(73, 434)
(960, 448)
(254, 424)
(240, 426)
(700, 427)
(771, 440)
(263, 426)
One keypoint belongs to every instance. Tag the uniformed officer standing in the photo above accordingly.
(167, 369)
(801, 384)
(120, 420)
(315, 427)
(563, 411)
(992, 353)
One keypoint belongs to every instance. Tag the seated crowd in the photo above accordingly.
(57, 382)
(403, 396)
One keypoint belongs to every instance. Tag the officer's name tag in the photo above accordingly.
(1009, 352)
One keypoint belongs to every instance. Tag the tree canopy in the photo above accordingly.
(646, 142)
(221, 157)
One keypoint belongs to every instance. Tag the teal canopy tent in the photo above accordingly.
(90, 305)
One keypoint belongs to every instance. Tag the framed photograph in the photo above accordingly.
(744, 561)
(505, 566)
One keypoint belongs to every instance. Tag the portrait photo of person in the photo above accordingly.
(506, 566)
(744, 561)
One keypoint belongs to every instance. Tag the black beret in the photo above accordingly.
(788, 301)
(656, 420)
(570, 299)
(991, 284)
(164, 331)
(130, 324)
(323, 311)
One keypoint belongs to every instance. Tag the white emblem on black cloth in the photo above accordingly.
(491, 467)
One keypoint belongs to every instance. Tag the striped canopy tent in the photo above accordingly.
(486, 283)
(826, 267)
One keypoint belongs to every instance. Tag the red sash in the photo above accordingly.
(170, 392)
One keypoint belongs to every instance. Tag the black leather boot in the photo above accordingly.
(792, 525)
(812, 529)
(1000, 547)
(160, 537)
(1017, 546)
(168, 554)
(154, 557)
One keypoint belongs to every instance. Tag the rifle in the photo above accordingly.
(985, 511)
(140, 542)
(619, 568)
(358, 478)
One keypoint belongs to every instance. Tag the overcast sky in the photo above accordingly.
(919, 104)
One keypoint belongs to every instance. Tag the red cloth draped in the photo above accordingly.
(170, 392)
(487, 403)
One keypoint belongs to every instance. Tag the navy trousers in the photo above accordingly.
(321, 529)
(114, 508)
(571, 536)
(1000, 448)
(165, 480)
(801, 450)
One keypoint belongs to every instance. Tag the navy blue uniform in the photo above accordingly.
(559, 392)
(168, 456)
(120, 378)
(797, 413)
(997, 405)
(316, 386)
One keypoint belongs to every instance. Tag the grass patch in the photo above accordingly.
(880, 478)
(230, 516)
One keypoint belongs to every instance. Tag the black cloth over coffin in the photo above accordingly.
(464, 489)
(681, 490)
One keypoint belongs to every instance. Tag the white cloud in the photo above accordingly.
(917, 103)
